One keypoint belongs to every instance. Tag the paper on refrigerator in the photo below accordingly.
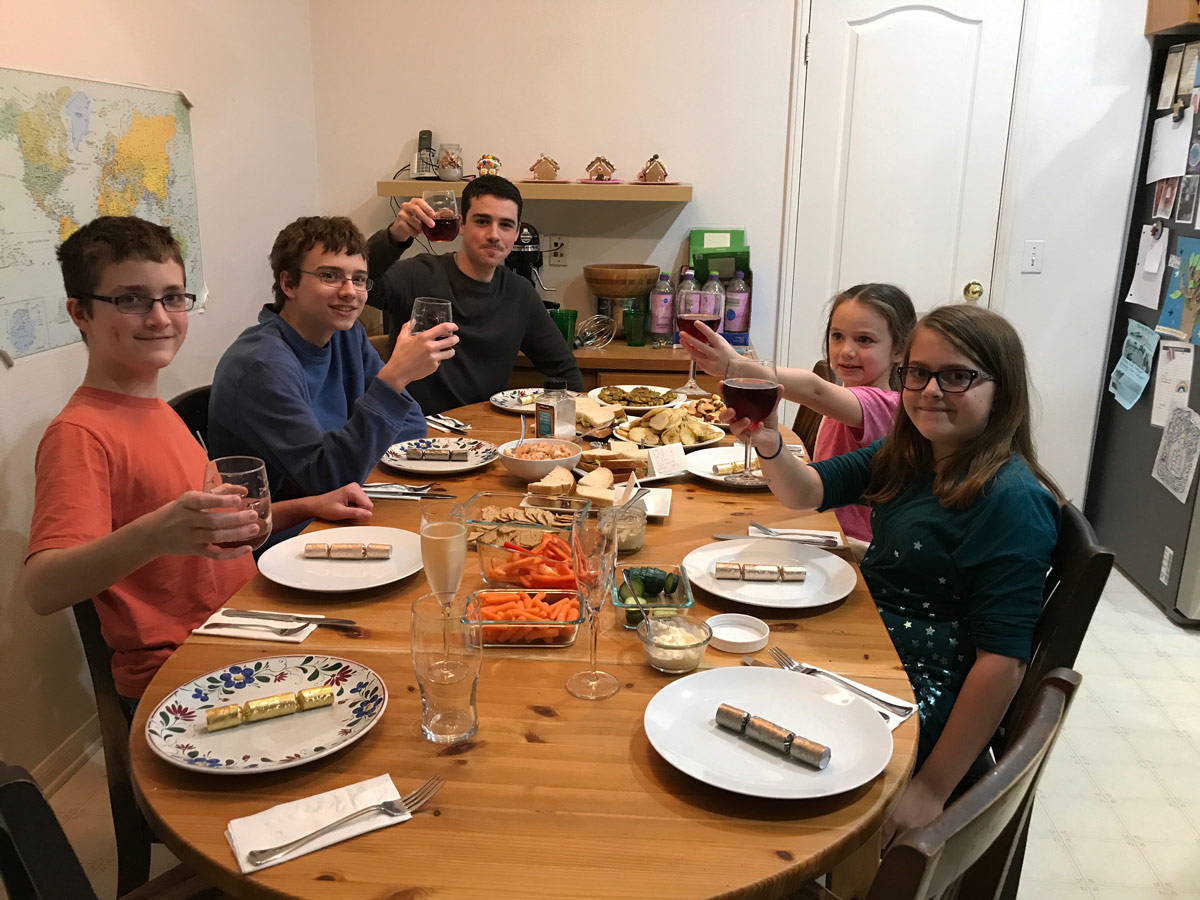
(1175, 462)
(1169, 147)
(1146, 286)
(1132, 371)
(1172, 380)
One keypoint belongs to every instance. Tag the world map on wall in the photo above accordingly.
(71, 150)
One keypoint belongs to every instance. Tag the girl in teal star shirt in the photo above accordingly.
(964, 522)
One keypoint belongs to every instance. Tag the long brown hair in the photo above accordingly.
(890, 301)
(991, 343)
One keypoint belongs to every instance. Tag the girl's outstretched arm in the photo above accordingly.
(990, 686)
(795, 484)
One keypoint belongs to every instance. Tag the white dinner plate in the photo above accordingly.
(656, 500)
(479, 454)
(177, 729)
(828, 580)
(509, 401)
(621, 432)
(701, 465)
(681, 725)
(679, 400)
(285, 564)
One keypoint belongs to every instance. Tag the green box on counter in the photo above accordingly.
(723, 250)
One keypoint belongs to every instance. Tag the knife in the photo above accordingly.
(375, 494)
(444, 426)
(285, 617)
(794, 538)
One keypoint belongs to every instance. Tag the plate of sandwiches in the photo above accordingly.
(637, 398)
(668, 425)
(440, 456)
(623, 458)
(599, 486)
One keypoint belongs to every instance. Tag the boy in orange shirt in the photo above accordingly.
(116, 516)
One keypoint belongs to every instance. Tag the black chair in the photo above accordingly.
(192, 407)
(808, 421)
(966, 851)
(132, 832)
(37, 862)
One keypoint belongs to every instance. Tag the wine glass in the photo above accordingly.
(427, 312)
(594, 554)
(696, 306)
(445, 215)
(443, 547)
(751, 389)
(244, 480)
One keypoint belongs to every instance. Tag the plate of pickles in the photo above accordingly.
(265, 714)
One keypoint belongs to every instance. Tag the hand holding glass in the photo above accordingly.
(594, 556)
(696, 306)
(244, 479)
(445, 215)
(427, 312)
(751, 389)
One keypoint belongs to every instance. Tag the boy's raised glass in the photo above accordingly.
(244, 480)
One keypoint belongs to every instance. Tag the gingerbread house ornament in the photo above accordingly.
(545, 169)
(600, 169)
(489, 164)
(653, 171)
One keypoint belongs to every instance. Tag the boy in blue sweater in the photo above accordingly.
(304, 389)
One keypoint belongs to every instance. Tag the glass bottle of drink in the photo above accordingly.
(737, 303)
(713, 286)
(662, 310)
(556, 411)
(683, 295)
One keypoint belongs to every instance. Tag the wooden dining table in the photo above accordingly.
(554, 797)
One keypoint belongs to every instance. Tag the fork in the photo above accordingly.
(408, 805)
(280, 630)
(786, 662)
(393, 485)
(818, 540)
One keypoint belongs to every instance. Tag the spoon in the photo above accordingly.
(522, 440)
(637, 495)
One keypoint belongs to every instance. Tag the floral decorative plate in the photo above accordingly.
(517, 400)
(177, 729)
(479, 454)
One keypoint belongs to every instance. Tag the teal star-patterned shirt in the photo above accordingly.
(948, 582)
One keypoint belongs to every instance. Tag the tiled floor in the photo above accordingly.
(1118, 811)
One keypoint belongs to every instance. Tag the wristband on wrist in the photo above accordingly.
(777, 452)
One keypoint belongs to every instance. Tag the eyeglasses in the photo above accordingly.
(133, 305)
(336, 278)
(951, 381)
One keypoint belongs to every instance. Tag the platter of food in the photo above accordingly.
(637, 398)
(707, 409)
(666, 425)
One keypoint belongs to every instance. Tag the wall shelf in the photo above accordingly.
(639, 193)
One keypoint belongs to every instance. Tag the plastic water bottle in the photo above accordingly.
(713, 287)
(685, 300)
(737, 303)
(662, 310)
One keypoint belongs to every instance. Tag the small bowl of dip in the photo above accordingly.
(674, 645)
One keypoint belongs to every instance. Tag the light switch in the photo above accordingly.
(1031, 260)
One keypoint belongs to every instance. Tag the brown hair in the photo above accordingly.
(336, 234)
(990, 342)
(890, 301)
(491, 186)
(106, 241)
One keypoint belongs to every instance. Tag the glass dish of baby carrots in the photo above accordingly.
(517, 618)
(544, 567)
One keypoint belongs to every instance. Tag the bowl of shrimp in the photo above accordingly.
(536, 458)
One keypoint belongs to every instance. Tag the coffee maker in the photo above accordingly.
(526, 258)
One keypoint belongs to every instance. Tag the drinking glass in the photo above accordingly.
(443, 546)
(751, 389)
(447, 652)
(244, 480)
(594, 555)
(445, 215)
(427, 312)
(696, 306)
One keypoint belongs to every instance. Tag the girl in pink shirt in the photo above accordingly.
(864, 342)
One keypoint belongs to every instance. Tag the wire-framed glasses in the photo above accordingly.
(136, 305)
(336, 278)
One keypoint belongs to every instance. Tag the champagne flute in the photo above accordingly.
(751, 389)
(427, 312)
(244, 480)
(445, 215)
(443, 547)
(594, 555)
(696, 306)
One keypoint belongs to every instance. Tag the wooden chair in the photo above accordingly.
(132, 832)
(192, 407)
(808, 420)
(380, 343)
(966, 851)
(37, 862)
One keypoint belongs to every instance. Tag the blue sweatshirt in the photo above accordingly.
(317, 416)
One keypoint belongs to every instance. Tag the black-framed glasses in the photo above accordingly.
(135, 305)
(951, 381)
(336, 278)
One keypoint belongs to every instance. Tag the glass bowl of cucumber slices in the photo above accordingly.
(663, 589)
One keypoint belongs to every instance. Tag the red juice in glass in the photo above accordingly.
(263, 508)
(686, 323)
(750, 398)
(444, 228)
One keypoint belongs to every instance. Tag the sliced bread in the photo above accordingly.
(559, 483)
(597, 478)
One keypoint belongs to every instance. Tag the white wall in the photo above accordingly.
(623, 79)
(247, 68)
(1075, 134)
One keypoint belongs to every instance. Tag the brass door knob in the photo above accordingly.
(972, 291)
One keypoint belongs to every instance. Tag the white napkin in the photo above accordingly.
(288, 821)
(254, 634)
(800, 532)
(893, 720)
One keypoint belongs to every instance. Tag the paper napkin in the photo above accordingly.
(288, 821)
(893, 719)
(253, 634)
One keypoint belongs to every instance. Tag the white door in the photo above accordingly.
(900, 150)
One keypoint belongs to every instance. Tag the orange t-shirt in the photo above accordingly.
(106, 460)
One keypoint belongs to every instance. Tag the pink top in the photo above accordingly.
(835, 438)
